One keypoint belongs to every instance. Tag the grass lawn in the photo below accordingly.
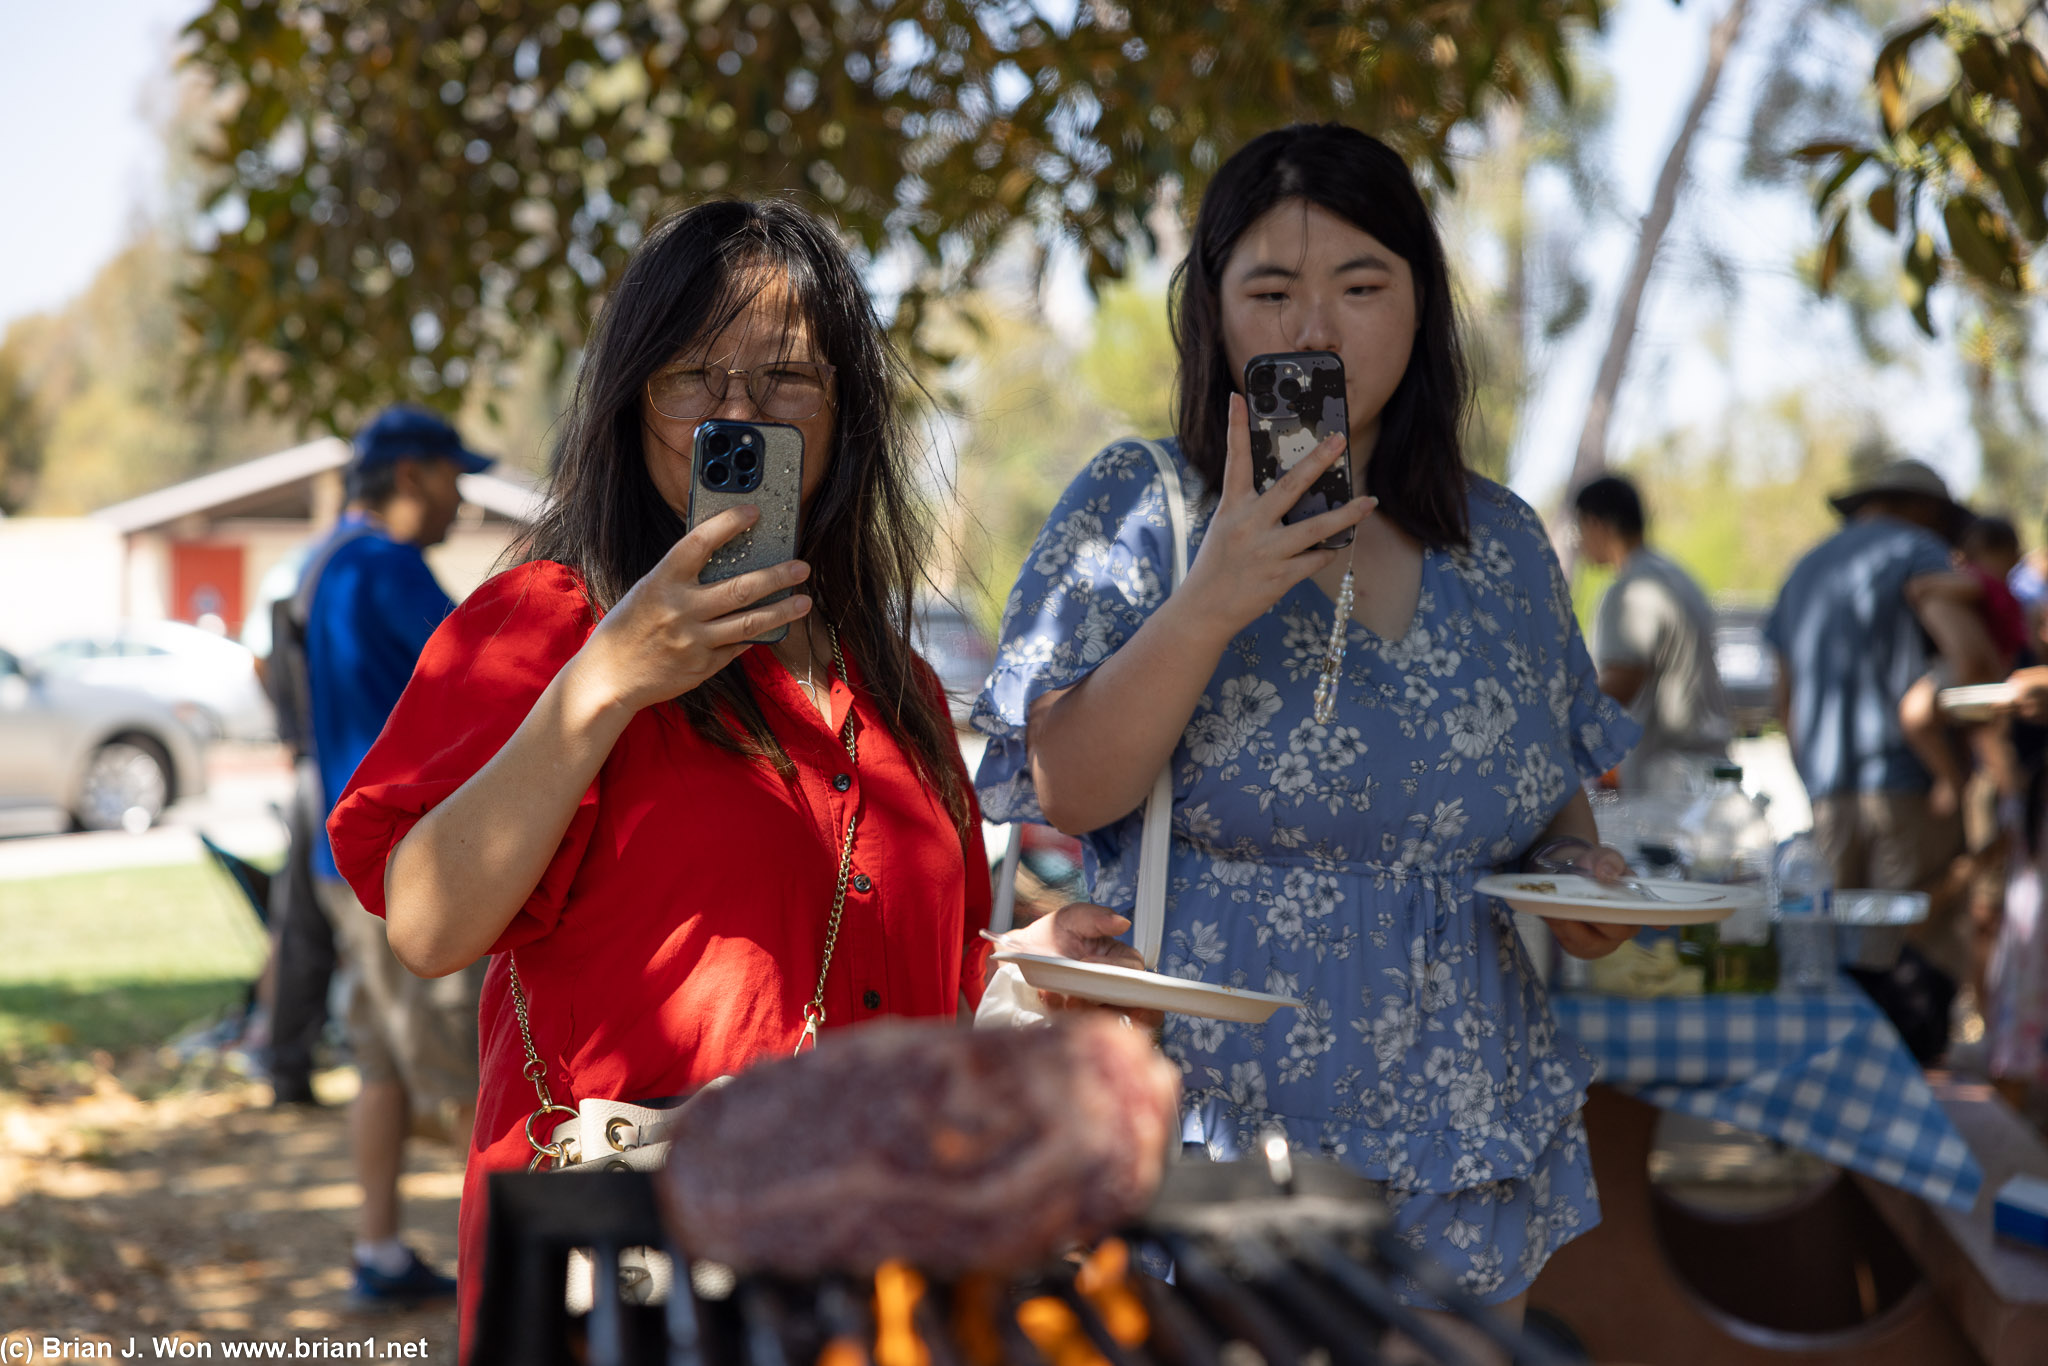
(119, 960)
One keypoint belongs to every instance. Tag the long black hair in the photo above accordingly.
(1417, 470)
(866, 533)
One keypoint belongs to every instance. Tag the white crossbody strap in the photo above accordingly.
(1002, 917)
(1149, 916)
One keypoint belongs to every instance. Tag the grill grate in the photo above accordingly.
(1281, 1266)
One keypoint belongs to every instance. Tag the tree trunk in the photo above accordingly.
(1592, 452)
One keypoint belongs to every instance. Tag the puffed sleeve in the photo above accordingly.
(477, 679)
(1592, 725)
(1099, 568)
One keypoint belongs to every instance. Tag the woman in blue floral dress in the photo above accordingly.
(1330, 860)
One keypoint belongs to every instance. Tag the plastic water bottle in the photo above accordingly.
(1806, 920)
(1730, 842)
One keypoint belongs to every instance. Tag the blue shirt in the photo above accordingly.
(1335, 863)
(372, 612)
(1851, 647)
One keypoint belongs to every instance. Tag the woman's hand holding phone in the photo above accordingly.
(671, 632)
(1250, 557)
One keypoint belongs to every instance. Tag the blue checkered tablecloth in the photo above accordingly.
(1825, 1072)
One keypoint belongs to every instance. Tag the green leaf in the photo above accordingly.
(1928, 125)
(1888, 73)
(1884, 207)
(1821, 151)
(1849, 165)
(1834, 252)
(1983, 62)
(2030, 88)
(2028, 203)
(1981, 242)
(1922, 268)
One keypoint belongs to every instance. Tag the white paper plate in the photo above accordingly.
(1567, 896)
(1978, 702)
(1139, 990)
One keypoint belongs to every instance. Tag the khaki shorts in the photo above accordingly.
(1884, 840)
(416, 1031)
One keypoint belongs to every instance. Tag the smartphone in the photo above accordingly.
(735, 463)
(1296, 399)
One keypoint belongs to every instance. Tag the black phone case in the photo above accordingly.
(770, 541)
(1288, 429)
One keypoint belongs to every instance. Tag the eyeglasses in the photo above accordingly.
(787, 390)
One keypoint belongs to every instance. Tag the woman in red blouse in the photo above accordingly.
(593, 776)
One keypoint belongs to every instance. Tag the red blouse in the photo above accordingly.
(676, 934)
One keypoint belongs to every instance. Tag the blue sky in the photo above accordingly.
(76, 139)
(1697, 354)
(78, 84)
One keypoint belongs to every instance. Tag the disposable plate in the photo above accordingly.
(1138, 990)
(1567, 896)
(1977, 702)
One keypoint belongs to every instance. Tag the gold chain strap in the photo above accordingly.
(814, 1013)
(536, 1071)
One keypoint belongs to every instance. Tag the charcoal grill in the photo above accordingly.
(1286, 1262)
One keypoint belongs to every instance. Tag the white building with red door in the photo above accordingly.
(198, 551)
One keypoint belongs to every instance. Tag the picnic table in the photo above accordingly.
(1820, 1280)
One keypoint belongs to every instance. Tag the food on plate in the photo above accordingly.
(950, 1150)
(1633, 970)
(1543, 888)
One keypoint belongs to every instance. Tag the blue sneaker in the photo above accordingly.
(418, 1284)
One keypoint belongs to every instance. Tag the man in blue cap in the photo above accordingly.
(368, 603)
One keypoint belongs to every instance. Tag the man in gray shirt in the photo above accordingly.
(1653, 643)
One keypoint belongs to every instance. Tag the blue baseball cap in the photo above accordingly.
(403, 432)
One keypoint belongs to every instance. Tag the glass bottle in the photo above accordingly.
(1730, 842)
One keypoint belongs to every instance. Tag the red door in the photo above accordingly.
(206, 581)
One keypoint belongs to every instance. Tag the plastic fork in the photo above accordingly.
(1634, 884)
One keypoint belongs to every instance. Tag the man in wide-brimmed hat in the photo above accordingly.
(1851, 629)
(1909, 491)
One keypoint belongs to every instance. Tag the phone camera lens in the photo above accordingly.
(717, 474)
(1262, 378)
(746, 460)
(1290, 388)
(717, 443)
(1265, 403)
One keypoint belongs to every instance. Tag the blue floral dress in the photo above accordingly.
(1336, 863)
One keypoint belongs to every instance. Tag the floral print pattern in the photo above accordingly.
(1335, 863)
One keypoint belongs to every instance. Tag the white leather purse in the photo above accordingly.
(1008, 1000)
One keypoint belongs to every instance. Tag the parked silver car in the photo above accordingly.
(107, 758)
(174, 663)
(1748, 667)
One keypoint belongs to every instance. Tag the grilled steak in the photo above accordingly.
(950, 1149)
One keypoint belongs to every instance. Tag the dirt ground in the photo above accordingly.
(136, 1204)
